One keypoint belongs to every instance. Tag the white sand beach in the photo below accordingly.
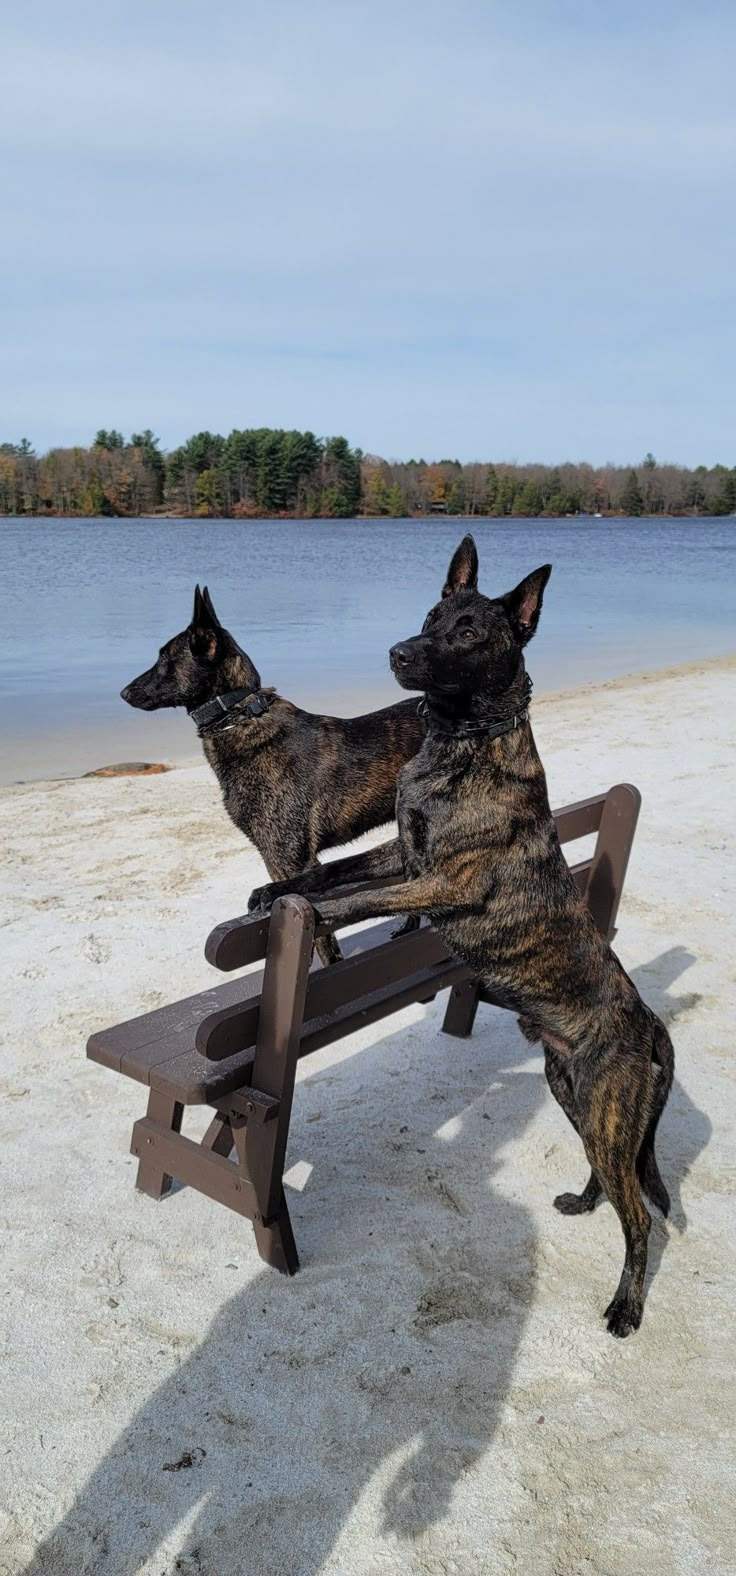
(435, 1391)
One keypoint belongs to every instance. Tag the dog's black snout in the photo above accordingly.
(400, 655)
(125, 693)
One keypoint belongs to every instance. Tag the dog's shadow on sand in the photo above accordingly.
(684, 1130)
(265, 1446)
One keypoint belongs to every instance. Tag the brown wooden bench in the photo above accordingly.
(235, 1047)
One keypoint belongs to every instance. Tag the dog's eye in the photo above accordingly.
(467, 634)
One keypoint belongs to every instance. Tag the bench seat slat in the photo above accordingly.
(194, 1080)
(176, 1024)
(139, 1040)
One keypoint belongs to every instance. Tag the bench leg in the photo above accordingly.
(219, 1136)
(261, 1145)
(461, 1009)
(275, 1242)
(166, 1113)
(274, 1236)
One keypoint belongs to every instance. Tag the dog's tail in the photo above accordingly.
(663, 1069)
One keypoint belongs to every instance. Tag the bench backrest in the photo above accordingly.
(600, 878)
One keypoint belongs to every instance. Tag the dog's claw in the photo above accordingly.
(259, 902)
(623, 1317)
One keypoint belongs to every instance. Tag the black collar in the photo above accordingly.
(214, 716)
(491, 728)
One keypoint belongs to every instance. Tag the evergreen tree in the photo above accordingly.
(342, 473)
(456, 496)
(505, 493)
(528, 499)
(491, 490)
(724, 501)
(695, 497)
(632, 502)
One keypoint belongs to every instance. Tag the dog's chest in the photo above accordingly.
(416, 812)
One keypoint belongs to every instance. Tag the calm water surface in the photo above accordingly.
(316, 604)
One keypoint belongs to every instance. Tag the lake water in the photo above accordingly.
(316, 604)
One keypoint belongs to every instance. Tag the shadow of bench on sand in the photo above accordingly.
(266, 1440)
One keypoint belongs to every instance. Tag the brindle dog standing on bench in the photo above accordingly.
(480, 855)
(294, 783)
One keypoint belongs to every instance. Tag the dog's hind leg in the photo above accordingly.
(612, 1111)
(624, 1311)
(560, 1083)
(663, 1066)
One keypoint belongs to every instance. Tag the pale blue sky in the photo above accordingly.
(442, 227)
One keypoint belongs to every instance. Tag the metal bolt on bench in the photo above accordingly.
(236, 1046)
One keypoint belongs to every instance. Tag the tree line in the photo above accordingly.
(266, 472)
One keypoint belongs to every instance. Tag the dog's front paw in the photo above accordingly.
(262, 899)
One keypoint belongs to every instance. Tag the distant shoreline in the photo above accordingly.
(269, 473)
(331, 519)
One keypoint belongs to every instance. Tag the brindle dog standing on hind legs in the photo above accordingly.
(479, 854)
(293, 782)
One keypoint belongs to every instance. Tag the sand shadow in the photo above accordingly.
(684, 1130)
(399, 1390)
(406, 1380)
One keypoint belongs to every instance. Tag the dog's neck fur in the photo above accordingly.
(485, 709)
(233, 671)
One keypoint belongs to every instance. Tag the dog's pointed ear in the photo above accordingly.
(204, 628)
(209, 609)
(524, 604)
(203, 613)
(462, 574)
